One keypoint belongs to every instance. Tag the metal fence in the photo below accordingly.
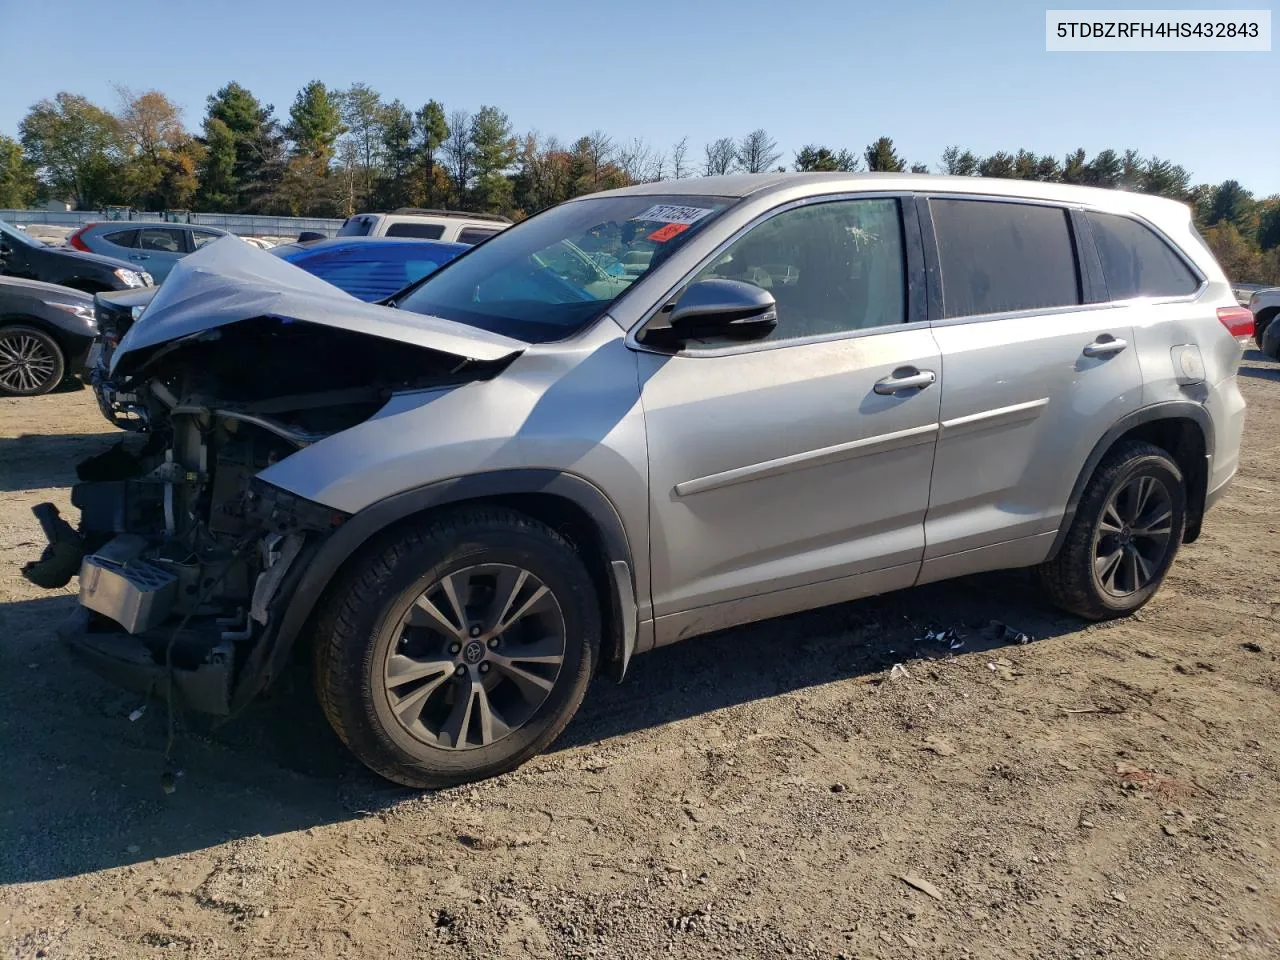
(243, 224)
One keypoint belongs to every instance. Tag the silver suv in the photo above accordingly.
(638, 417)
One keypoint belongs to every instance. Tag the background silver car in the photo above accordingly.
(154, 247)
(639, 417)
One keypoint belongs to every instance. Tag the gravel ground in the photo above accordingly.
(781, 790)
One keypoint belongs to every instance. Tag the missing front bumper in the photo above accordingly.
(201, 670)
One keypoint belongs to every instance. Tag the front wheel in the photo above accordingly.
(460, 649)
(31, 362)
(1123, 537)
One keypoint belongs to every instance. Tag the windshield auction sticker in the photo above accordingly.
(673, 213)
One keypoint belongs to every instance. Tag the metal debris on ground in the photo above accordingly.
(994, 630)
(1003, 633)
(899, 670)
(924, 886)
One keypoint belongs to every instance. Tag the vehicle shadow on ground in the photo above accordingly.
(36, 461)
(1268, 372)
(82, 784)
(840, 642)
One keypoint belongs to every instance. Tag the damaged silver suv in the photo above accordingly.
(634, 418)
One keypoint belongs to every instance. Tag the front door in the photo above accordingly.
(795, 471)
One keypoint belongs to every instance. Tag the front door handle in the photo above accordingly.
(1105, 346)
(139, 256)
(907, 378)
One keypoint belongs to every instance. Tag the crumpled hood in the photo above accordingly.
(228, 281)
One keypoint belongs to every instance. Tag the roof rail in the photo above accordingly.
(423, 212)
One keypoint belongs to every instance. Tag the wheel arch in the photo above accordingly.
(87, 285)
(44, 326)
(1183, 429)
(573, 506)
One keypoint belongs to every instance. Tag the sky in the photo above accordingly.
(834, 72)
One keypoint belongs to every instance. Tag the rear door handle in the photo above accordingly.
(906, 379)
(1105, 346)
(139, 256)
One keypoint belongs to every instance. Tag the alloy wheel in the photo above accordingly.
(475, 656)
(1134, 537)
(26, 363)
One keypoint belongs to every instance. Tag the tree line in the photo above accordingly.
(338, 152)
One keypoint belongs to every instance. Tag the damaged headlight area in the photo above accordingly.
(186, 557)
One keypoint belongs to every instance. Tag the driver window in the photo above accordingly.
(831, 267)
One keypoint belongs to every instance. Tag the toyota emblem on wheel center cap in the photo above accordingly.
(473, 652)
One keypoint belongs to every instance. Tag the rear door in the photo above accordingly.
(159, 248)
(1036, 369)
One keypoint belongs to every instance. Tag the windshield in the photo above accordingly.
(11, 231)
(550, 276)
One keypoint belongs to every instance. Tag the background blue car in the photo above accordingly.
(370, 269)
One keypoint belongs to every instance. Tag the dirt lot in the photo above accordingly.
(1102, 791)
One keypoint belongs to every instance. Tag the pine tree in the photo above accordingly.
(882, 158)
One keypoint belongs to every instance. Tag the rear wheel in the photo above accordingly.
(31, 362)
(1124, 535)
(462, 648)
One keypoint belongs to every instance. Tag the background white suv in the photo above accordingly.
(448, 225)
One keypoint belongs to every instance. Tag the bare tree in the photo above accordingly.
(458, 152)
(721, 155)
(638, 161)
(679, 170)
(757, 152)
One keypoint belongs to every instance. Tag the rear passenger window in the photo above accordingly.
(160, 240)
(1136, 262)
(474, 235)
(1001, 257)
(122, 238)
(423, 231)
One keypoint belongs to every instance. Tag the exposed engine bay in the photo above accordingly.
(185, 557)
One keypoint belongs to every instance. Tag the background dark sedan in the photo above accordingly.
(45, 332)
(25, 256)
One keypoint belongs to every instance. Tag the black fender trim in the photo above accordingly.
(332, 553)
(1166, 410)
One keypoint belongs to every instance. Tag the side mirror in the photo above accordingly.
(717, 310)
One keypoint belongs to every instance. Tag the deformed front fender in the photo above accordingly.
(321, 566)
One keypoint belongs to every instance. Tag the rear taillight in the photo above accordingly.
(75, 241)
(1238, 321)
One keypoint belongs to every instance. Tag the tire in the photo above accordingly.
(395, 615)
(1260, 326)
(31, 362)
(1084, 577)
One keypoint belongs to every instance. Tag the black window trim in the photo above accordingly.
(915, 265)
(1085, 254)
(1203, 281)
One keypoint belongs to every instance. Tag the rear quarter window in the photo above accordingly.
(999, 257)
(474, 235)
(1137, 262)
(122, 238)
(422, 231)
